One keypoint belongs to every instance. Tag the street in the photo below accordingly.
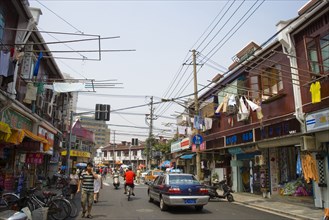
(113, 204)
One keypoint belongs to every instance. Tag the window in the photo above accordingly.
(182, 179)
(126, 153)
(318, 54)
(271, 82)
(119, 153)
(237, 87)
(105, 154)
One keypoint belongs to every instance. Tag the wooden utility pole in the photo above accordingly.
(196, 105)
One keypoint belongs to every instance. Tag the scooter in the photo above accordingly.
(10, 210)
(116, 181)
(215, 191)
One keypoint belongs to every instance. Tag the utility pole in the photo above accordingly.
(148, 163)
(113, 149)
(196, 104)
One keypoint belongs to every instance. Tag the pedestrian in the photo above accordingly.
(98, 184)
(74, 180)
(138, 175)
(86, 186)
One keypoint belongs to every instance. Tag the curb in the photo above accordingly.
(271, 210)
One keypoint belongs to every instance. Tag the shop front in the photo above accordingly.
(287, 159)
(317, 124)
(76, 156)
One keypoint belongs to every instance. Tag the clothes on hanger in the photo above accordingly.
(243, 113)
(315, 90)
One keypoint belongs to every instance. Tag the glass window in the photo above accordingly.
(2, 25)
(318, 54)
(271, 81)
(237, 87)
(119, 153)
(182, 179)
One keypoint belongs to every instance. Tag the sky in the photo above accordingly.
(151, 40)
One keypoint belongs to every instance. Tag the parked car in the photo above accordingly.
(143, 174)
(178, 189)
(151, 175)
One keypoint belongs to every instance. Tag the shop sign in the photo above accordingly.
(175, 147)
(318, 120)
(235, 150)
(202, 147)
(44, 133)
(240, 138)
(34, 158)
(278, 130)
(76, 153)
(16, 120)
(185, 144)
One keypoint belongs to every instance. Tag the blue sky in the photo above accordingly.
(162, 33)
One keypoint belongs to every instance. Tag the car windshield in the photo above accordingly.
(182, 179)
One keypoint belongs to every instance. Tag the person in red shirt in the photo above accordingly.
(129, 176)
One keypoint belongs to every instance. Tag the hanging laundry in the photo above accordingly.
(315, 90)
(259, 110)
(37, 65)
(309, 168)
(223, 105)
(243, 113)
(68, 87)
(208, 123)
(31, 93)
(252, 105)
(4, 63)
(197, 120)
(231, 107)
(189, 131)
(181, 130)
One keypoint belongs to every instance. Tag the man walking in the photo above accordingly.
(86, 183)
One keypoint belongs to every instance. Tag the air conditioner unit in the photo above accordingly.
(308, 143)
(259, 160)
(39, 102)
(48, 109)
(58, 115)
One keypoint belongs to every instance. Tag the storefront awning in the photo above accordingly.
(5, 131)
(18, 135)
(187, 156)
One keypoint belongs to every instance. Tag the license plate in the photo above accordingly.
(190, 201)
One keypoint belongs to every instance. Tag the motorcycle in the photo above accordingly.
(215, 191)
(116, 181)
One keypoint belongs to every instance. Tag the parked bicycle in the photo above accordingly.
(58, 207)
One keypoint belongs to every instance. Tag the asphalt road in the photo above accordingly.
(114, 204)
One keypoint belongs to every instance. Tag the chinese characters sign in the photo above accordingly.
(34, 158)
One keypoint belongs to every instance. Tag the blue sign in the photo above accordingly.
(197, 139)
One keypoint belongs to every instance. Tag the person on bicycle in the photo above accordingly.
(87, 194)
(129, 177)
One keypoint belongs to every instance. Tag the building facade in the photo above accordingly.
(99, 128)
(265, 122)
(31, 112)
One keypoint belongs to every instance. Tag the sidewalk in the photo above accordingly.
(295, 208)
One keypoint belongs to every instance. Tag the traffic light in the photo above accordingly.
(102, 112)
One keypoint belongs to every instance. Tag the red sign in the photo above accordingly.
(34, 158)
(202, 147)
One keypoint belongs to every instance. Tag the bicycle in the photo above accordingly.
(59, 208)
(129, 191)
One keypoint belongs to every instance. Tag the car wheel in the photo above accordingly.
(163, 206)
(199, 208)
(230, 198)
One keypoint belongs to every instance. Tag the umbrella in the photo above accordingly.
(81, 165)
(165, 163)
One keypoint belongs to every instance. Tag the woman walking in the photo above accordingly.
(74, 179)
(98, 184)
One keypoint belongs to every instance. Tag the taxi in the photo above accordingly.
(152, 174)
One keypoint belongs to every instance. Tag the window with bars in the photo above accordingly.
(318, 54)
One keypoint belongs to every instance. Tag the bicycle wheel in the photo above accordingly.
(129, 192)
(74, 209)
(59, 209)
